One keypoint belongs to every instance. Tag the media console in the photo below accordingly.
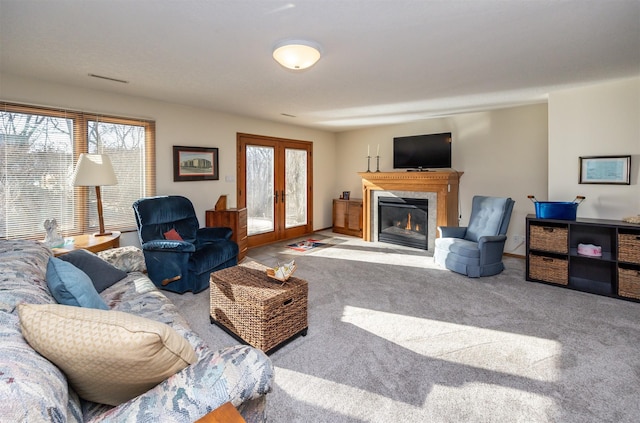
(552, 255)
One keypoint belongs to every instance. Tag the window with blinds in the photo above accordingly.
(38, 151)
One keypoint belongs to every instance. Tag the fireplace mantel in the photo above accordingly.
(443, 183)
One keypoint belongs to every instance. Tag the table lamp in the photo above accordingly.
(95, 170)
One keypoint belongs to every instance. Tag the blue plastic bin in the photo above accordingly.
(562, 210)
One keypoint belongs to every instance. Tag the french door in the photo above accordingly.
(274, 184)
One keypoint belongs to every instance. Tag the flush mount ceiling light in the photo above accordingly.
(296, 54)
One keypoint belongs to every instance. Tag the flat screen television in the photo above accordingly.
(431, 151)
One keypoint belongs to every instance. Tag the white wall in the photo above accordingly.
(501, 152)
(181, 125)
(597, 120)
(509, 152)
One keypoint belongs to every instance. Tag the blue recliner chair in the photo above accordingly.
(179, 255)
(476, 250)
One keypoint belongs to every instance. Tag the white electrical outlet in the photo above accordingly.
(518, 239)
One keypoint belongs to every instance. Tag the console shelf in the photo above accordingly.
(552, 255)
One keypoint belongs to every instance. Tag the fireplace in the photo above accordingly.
(403, 221)
(439, 187)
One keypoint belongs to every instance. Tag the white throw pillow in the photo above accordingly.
(108, 357)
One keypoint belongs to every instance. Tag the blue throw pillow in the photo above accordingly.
(71, 286)
(102, 274)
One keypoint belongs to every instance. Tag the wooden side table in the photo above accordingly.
(226, 413)
(236, 219)
(89, 242)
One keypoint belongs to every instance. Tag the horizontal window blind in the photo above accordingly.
(39, 148)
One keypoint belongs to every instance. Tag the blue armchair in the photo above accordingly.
(476, 250)
(179, 255)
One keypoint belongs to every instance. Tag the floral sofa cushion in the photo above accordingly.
(127, 259)
(31, 387)
(23, 268)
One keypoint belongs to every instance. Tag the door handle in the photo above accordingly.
(282, 196)
(276, 197)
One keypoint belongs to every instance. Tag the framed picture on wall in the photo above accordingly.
(605, 170)
(195, 163)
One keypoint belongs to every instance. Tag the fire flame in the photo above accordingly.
(407, 227)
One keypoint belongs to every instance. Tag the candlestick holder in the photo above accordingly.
(377, 163)
(368, 163)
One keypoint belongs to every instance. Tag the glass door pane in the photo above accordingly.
(260, 164)
(295, 187)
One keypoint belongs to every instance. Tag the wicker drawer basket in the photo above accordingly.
(549, 238)
(629, 248)
(258, 310)
(549, 269)
(629, 283)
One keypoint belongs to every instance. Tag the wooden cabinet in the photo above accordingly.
(552, 255)
(236, 219)
(347, 217)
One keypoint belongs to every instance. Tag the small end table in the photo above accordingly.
(226, 413)
(89, 242)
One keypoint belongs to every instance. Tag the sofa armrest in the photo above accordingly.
(169, 246)
(214, 234)
(452, 231)
(235, 374)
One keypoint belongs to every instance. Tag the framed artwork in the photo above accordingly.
(605, 170)
(195, 163)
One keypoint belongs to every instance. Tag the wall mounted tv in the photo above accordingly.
(418, 152)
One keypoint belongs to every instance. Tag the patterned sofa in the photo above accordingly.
(33, 389)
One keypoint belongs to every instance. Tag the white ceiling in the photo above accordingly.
(383, 61)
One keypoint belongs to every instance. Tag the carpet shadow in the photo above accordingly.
(506, 304)
(408, 378)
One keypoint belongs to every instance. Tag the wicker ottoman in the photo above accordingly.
(256, 309)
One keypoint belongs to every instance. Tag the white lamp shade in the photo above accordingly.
(94, 170)
(297, 55)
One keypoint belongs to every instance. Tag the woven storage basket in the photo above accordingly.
(549, 269)
(629, 283)
(629, 248)
(261, 311)
(549, 238)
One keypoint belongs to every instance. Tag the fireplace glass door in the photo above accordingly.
(403, 221)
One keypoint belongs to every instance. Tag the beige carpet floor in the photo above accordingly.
(394, 338)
